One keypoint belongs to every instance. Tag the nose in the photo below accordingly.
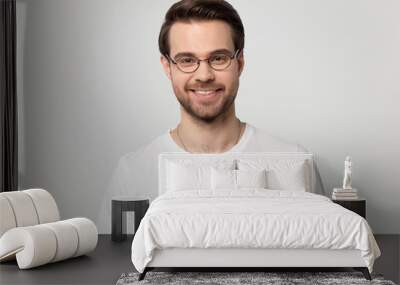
(204, 73)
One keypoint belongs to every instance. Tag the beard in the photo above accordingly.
(207, 112)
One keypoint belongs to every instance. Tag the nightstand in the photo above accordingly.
(358, 206)
(122, 204)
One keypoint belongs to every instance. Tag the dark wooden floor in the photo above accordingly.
(111, 259)
(102, 266)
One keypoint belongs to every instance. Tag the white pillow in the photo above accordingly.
(282, 174)
(223, 178)
(251, 178)
(237, 179)
(184, 174)
(183, 177)
(291, 178)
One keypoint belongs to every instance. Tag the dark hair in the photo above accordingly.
(202, 10)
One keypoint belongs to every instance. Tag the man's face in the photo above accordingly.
(202, 39)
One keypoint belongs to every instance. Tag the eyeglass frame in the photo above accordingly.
(206, 59)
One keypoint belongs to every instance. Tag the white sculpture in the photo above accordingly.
(347, 173)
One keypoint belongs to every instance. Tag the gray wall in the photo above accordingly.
(321, 73)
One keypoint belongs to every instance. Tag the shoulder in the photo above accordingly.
(268, 142)
(145, 154)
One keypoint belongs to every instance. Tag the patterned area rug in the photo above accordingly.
(270, 278)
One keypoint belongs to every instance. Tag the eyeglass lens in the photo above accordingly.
(191, 63)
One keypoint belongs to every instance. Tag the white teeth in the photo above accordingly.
(204, 92)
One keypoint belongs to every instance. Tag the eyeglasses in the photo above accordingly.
(189, 64)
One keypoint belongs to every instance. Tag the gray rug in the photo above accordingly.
(270, 278)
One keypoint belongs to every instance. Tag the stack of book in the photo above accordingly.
(344, 194)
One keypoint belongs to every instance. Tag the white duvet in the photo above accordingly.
(250, 218)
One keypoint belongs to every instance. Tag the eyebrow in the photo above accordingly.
(222, 50)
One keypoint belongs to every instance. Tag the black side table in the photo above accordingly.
(358, 206)
(119, 205)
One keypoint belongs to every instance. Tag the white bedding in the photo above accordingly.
(250, 218)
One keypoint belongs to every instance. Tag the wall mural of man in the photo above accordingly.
(202, 53)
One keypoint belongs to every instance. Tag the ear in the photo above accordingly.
(166, 66)
(240, 59)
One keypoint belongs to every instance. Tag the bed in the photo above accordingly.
(247, 210)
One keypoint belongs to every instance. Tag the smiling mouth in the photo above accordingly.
(206, 93)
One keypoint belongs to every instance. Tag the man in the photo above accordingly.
(201, 44)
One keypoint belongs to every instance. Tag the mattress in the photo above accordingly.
(250, 219)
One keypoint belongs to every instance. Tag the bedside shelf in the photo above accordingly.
(121, 204)
(358, 206)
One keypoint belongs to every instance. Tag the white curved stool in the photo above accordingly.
(31, 233)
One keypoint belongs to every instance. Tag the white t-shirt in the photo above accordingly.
(136, 174)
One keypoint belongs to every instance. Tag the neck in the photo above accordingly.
(216, 137)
